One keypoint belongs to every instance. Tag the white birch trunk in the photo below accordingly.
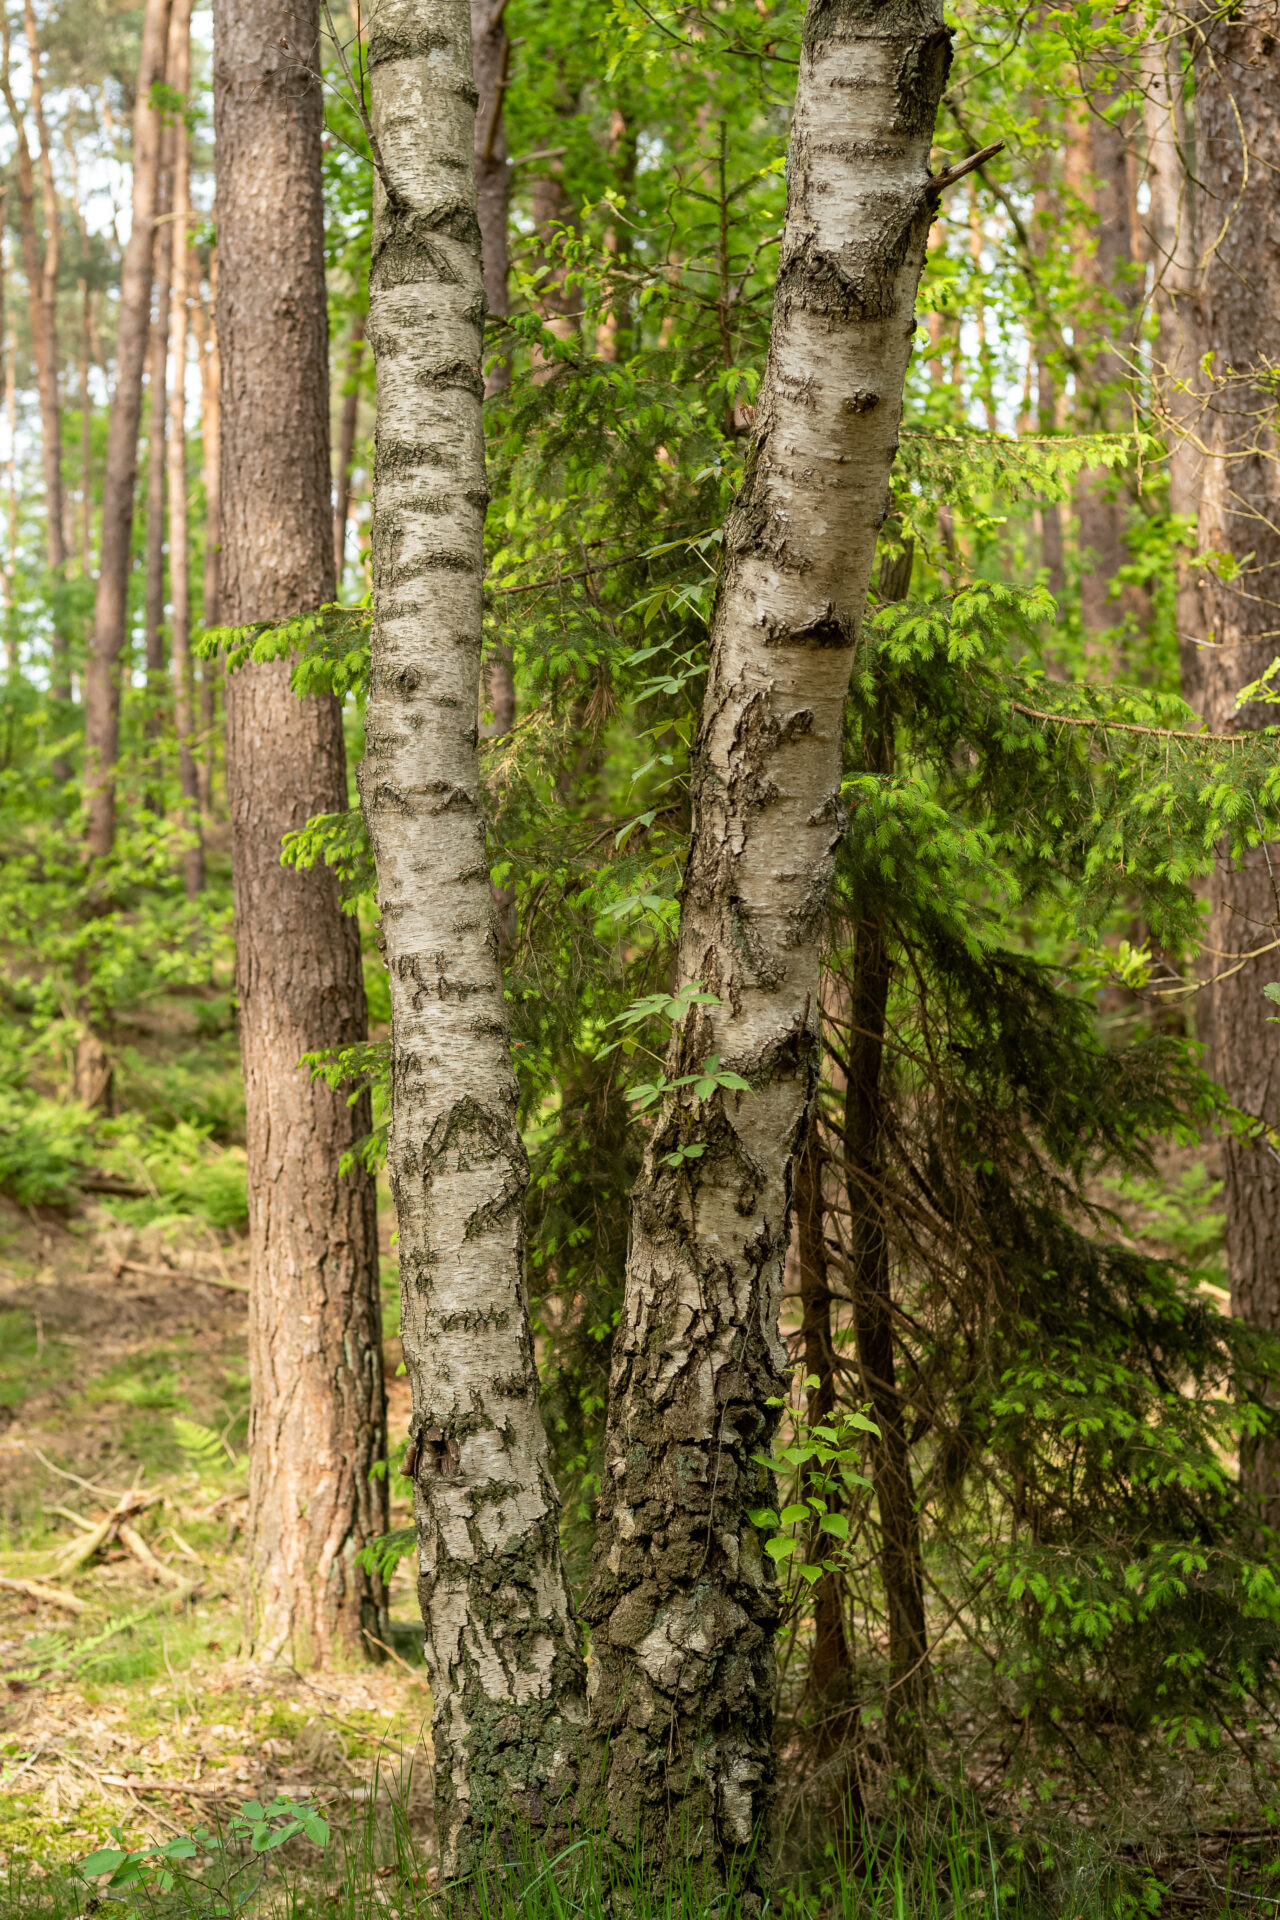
(683, 1602)
(500, 1641)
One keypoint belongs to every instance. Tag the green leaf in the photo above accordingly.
(106, 1860)
(763, 1517)
(792, 1515)
(835, 1523)
(779, 1548)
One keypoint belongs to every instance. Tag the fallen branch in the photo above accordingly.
(101, 1532)
(129, 1537)
(179, 1273)
(52, 1596)
(182, 1787)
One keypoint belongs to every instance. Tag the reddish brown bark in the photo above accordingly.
(318, 1406)
(1238, 162)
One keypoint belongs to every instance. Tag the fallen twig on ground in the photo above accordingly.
(52, 1596)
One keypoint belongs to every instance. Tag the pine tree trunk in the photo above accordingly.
(1097, 162)
(179, 564)
(315, 1352)
(683, 1603)
(44, 352)
(158, 418)
(45, 301)
(102, 676)
(831, 1679)
(506, 1676)
(1238, 162)
(1171, 247)
(210, 611)
(900, 1560)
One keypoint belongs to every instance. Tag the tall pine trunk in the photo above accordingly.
(102, 675)
(315, 1351)
(42, 318)
(158, 415)
(1238, 162)
(46, 336)
(1171, 248)
(210, 611)
(506, 1676)
(683, 1602)
(179, 563)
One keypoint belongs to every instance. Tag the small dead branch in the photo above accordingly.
(129, 1537)
(101, 1531)
(52, 1596)
(222, 1280)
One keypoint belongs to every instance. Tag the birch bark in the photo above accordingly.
(102, 682)
(683, 1603)
(506, 1676)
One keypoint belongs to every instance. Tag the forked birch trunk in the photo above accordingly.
(506, 1676)
(683, 1602)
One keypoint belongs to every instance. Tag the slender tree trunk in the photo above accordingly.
(179, 565)
(1238, 161)
(315, 1343)
(900, 1561)
(86, 431)
(506, 1676)
(46, 293)
(831, 1691)
(211, 612)
(1097, 166)
(683, 1604)
(491, 55)
(11, 469)
(158, 413)
(8, 346)
(102, 679)
(44, 352)
(1171, 247)
(347, 444)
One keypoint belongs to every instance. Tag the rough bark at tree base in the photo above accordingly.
(683, 1601)
(506, 1675)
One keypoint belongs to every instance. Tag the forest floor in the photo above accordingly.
(123, 1371)
(128, 1703)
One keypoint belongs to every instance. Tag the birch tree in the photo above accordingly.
(506, 1676)
(682, 1602)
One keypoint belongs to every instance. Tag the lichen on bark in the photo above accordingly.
(506, 1674)
(683, 1603)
